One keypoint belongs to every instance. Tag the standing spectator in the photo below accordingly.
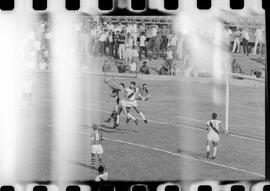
(158, 41)
(236, 43)
(151, 43)
(173, 43)
(258, 40)
(102, 41)
(170, 61)
(142, 46)
(144, 69)
(128, 28)
(245, 39)
(111, 44)
(134, 32)
(142, 28)
(129, 45)
(116, 44)
(135, 52)
(122, 49)
(164, 37)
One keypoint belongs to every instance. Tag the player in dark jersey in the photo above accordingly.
(116, 98)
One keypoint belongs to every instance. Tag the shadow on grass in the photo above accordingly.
(83, 164)
(190, 153)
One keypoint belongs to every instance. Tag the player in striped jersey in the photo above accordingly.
(133, 93)
(96, 147)
(213, 126)
(122, 106)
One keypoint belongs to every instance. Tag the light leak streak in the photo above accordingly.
(65, 88)
(12, 35)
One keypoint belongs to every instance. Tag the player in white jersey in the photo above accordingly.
(133, 94)
(213, 127)
(96, 147)
(122, 106)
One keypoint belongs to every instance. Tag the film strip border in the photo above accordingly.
(153, 186)
(127, 6)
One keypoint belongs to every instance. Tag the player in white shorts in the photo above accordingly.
(132, 94)
(213, 127)
(122, 102)
(96, 147)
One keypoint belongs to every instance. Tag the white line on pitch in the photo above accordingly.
(179, 155)
(166, 123)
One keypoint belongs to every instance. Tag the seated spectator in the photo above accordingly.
(133, 67)
(252, 74)
(257, 73)
(121, 67)
(144, 69)
(106, 67)
(163, 70)
(236, 68)
(263, 73)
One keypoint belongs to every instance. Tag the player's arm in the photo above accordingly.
(101, 136)
(207, 127)
(113, 85)
(142, 97)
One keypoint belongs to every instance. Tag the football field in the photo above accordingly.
(170, 147)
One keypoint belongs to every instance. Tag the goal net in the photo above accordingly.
(245, 105)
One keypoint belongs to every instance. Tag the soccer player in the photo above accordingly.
(132, 94)
(122, 102)
(212, 127)
(96, 147)
(116, 97)
(102, 173)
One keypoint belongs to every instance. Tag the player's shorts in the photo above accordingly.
(96, 149)
(122, 103)
(214, 137)
(132, 103)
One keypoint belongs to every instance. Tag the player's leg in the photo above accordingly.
(208, 147)
(93, 159)
(111, 116)
(141, 114)
(128, 118)
(100, 159)
(215, 144)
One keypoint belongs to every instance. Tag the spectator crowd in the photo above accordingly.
(129, 43)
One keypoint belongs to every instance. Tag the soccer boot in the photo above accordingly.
(207, 155)
(115, 125)
(127, 121)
